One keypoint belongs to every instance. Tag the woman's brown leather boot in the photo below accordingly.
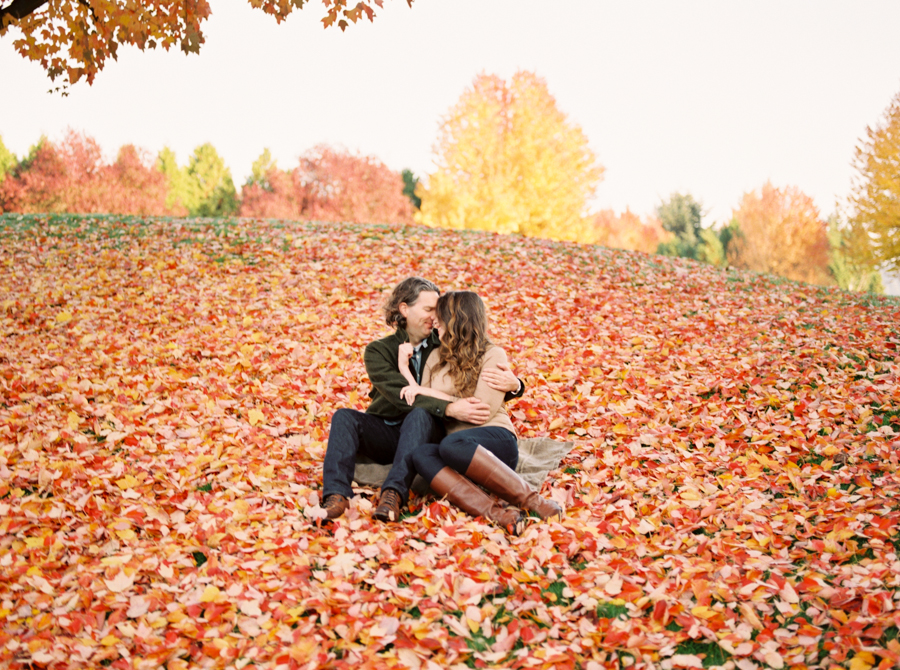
(496, 476)
(451, 485)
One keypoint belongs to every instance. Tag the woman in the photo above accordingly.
(485, 454)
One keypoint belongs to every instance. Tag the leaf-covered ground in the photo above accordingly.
(165, 394)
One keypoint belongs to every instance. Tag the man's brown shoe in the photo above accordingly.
(388, 506)
(335, 505)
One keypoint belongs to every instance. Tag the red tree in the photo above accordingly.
(72, 177)
(628, 231)
(330, 185)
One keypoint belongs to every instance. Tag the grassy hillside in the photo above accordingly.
(165, 393)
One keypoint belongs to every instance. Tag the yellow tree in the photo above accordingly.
(876, 195)
(72, 39)
(508, 160)
(780, 231)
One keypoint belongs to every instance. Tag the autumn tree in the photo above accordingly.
(628, 231)
(72, 176)
(328, 185)
(72, 39)
(780, 231)
(876, 194)
(848, 271)
(7, 160)
(508, 160)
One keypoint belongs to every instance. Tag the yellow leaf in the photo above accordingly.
(126, 534)
(109, 641)
(405, 566)
(255, 416)
(703, 612)
(862, 661)
(558, 422)
(63, 317)
(127, 482)
(34, 542)
(210, 594)
(73, 420)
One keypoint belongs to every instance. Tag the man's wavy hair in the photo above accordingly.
(406, 291)
(465, 339)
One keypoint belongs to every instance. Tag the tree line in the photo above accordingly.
(72, 176)
(507, 160)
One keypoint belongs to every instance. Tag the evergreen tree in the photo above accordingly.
(260, 169)
(682, 216)
(182, 194)
(410, 182)
(217, 194)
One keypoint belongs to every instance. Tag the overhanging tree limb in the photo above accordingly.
(58, 38)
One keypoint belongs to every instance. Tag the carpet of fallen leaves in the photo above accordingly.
(165, 394)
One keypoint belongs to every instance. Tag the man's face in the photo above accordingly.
(420, 316)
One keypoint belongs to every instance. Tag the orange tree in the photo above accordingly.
(780, 231)
(72, 39)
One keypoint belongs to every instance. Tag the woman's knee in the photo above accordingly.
(427, 461)
(457, 452)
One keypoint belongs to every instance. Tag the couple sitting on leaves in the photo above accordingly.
(437, 410)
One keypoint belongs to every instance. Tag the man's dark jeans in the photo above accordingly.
(353, 432)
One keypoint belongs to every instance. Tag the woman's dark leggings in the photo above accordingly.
(458, 449)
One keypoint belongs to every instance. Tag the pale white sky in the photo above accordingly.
(707, 97)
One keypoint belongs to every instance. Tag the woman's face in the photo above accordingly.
(441, 328)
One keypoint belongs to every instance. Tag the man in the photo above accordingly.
(390, 430)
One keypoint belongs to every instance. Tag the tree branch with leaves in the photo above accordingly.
(73, 39)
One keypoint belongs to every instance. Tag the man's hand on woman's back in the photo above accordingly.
(501, 378)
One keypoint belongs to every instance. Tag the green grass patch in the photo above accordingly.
(711, 653)
(612, 609)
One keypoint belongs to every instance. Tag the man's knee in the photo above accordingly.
(344, 418)
(418, 420)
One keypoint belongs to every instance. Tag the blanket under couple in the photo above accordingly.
(538, 456)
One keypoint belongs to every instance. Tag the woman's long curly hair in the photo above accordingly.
(465, 339)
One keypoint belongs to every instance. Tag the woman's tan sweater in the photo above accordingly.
(441, 381)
